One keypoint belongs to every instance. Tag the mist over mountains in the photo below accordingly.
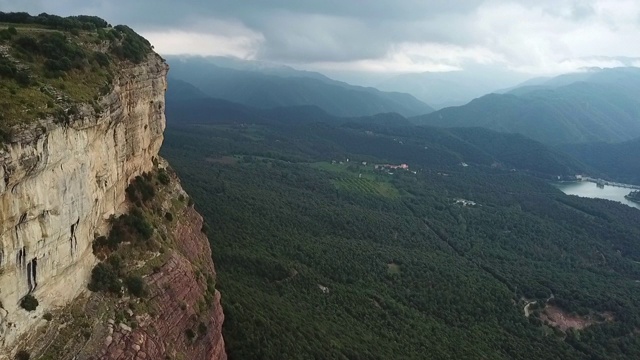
(597, 105)
(594, 105)
(267, 86)
(453, 88)
(588, 119)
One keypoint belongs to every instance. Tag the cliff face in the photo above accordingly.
(59, 185)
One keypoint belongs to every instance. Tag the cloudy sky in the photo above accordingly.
(382, 36)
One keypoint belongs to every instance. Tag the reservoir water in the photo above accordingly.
(591, 190)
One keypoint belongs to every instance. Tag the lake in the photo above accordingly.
(591, 190)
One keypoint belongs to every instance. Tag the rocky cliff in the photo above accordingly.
(60, 183)
(183, 299)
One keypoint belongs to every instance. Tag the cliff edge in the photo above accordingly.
(66, 162)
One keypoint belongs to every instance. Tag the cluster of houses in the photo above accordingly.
(387, 168)
(391, 167)
(465, 202)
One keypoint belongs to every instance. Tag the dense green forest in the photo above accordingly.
(320, 257)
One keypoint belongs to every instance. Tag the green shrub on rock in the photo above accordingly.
(136, 285)
(104, 278)
(29, 303)
(163, 177)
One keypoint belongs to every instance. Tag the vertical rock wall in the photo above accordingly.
(60, 183)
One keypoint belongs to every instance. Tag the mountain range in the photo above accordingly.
(594, 105)
(591, 106)
(579, 114)
(473, 145)
(263, 85)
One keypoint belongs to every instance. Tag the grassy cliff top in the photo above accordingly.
(49, 64)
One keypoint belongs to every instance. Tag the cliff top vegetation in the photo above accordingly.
(51, 64)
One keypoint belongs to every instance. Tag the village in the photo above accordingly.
(389, 169)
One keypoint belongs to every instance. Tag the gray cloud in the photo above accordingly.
(387, 35)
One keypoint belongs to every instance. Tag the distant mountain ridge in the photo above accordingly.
(182, 110)
(266, 86)
(452, 88)
(475, 145)
(182, 90)
(600, 105)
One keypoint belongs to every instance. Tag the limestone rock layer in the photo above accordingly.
(59, 185)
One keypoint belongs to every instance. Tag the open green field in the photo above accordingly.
(367, 186)
(359, 178)
(393, 268)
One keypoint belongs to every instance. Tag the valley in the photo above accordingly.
(204, 190)
(406, 274)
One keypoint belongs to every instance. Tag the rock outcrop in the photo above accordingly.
(59, 185)
(179, 295)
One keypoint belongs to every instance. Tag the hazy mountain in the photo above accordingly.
(263, 67)
(198, 110)
(623, 77)
(182, 90)
(452, 88)
(598, 105)
(618, 161)
(264, 85)
(586, 73)
(204, 110)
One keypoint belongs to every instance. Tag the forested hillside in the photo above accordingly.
(620, 162)
(320, 255)
(590, 107)
(423, 144)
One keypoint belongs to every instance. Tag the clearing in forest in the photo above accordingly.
(356, 177)
(564, 321)
(393, 268)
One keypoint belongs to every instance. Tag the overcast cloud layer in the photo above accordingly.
(385, 36)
